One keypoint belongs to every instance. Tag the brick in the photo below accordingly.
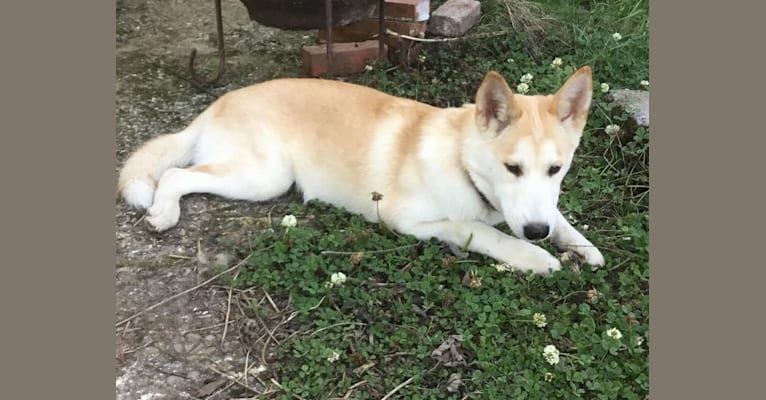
(347, 58)
(407, 28)
(454, 18)
(407, 10)
(356, 32)
(368, 29)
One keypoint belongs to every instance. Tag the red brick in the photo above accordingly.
(356, 32)
(368, 29)
(407, 28)
(347, 57)
(410, 10)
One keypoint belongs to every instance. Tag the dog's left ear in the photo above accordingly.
(494, 104)
(572, 101)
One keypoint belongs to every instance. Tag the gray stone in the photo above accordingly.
(173, 380)
(454, 18)
(193, 338)
(634, 102)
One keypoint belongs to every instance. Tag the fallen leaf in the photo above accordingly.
(448, 353)
(454, 382)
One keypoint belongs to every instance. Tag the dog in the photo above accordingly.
(446, 173)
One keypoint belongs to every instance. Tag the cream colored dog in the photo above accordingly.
(446, 173)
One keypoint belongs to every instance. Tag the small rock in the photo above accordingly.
(455, 17)
(634, 102)
(174, 381)
(193, 337)
(178, 347)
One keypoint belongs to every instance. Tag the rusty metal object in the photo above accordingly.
(381, 29)
(328, 26)
(297, 15)
(221, 52)
(307, 14)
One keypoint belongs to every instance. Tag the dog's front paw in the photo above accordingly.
(592, 256)
(538, 261)
(163, 215)
(587, 254)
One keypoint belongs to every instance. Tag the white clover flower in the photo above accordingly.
(422, 58)
(616, 36)
(510, 60)
(539, 320)
(551, 354)
(337, 279)
(527, 78)
(289, 221)
(604, 87)
(368, 67)
(548, 376)
(614, 333)
(556, 62)
(334, 356)
(522, 88)
(639, 341)
(612, 129)
(644, 83)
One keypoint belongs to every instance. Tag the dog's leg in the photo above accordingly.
(565, 236)
(489, 241)
(242, 181)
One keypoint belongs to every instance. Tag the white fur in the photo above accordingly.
(139, 194)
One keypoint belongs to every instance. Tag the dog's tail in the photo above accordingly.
(143, 169)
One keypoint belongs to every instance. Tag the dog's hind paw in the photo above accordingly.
(163, 215)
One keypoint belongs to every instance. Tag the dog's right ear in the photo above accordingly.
(494, 104)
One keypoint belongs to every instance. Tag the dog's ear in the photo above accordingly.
(494, 104)
(572, 101)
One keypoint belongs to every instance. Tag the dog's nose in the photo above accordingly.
(535, 231)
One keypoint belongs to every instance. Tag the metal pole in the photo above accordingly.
(328, 26)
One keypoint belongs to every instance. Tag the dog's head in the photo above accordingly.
(524, 146)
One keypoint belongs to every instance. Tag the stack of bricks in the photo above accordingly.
(356, 45)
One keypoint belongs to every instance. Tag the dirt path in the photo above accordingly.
(175, 350)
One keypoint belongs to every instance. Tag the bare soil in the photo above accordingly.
(178, 350)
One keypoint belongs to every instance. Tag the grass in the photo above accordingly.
(373, 336)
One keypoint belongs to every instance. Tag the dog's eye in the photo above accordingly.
(514, 169)
(554, 170)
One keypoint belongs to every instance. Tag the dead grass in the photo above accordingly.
(527, 17)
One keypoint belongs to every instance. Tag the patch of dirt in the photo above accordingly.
(175, 350)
